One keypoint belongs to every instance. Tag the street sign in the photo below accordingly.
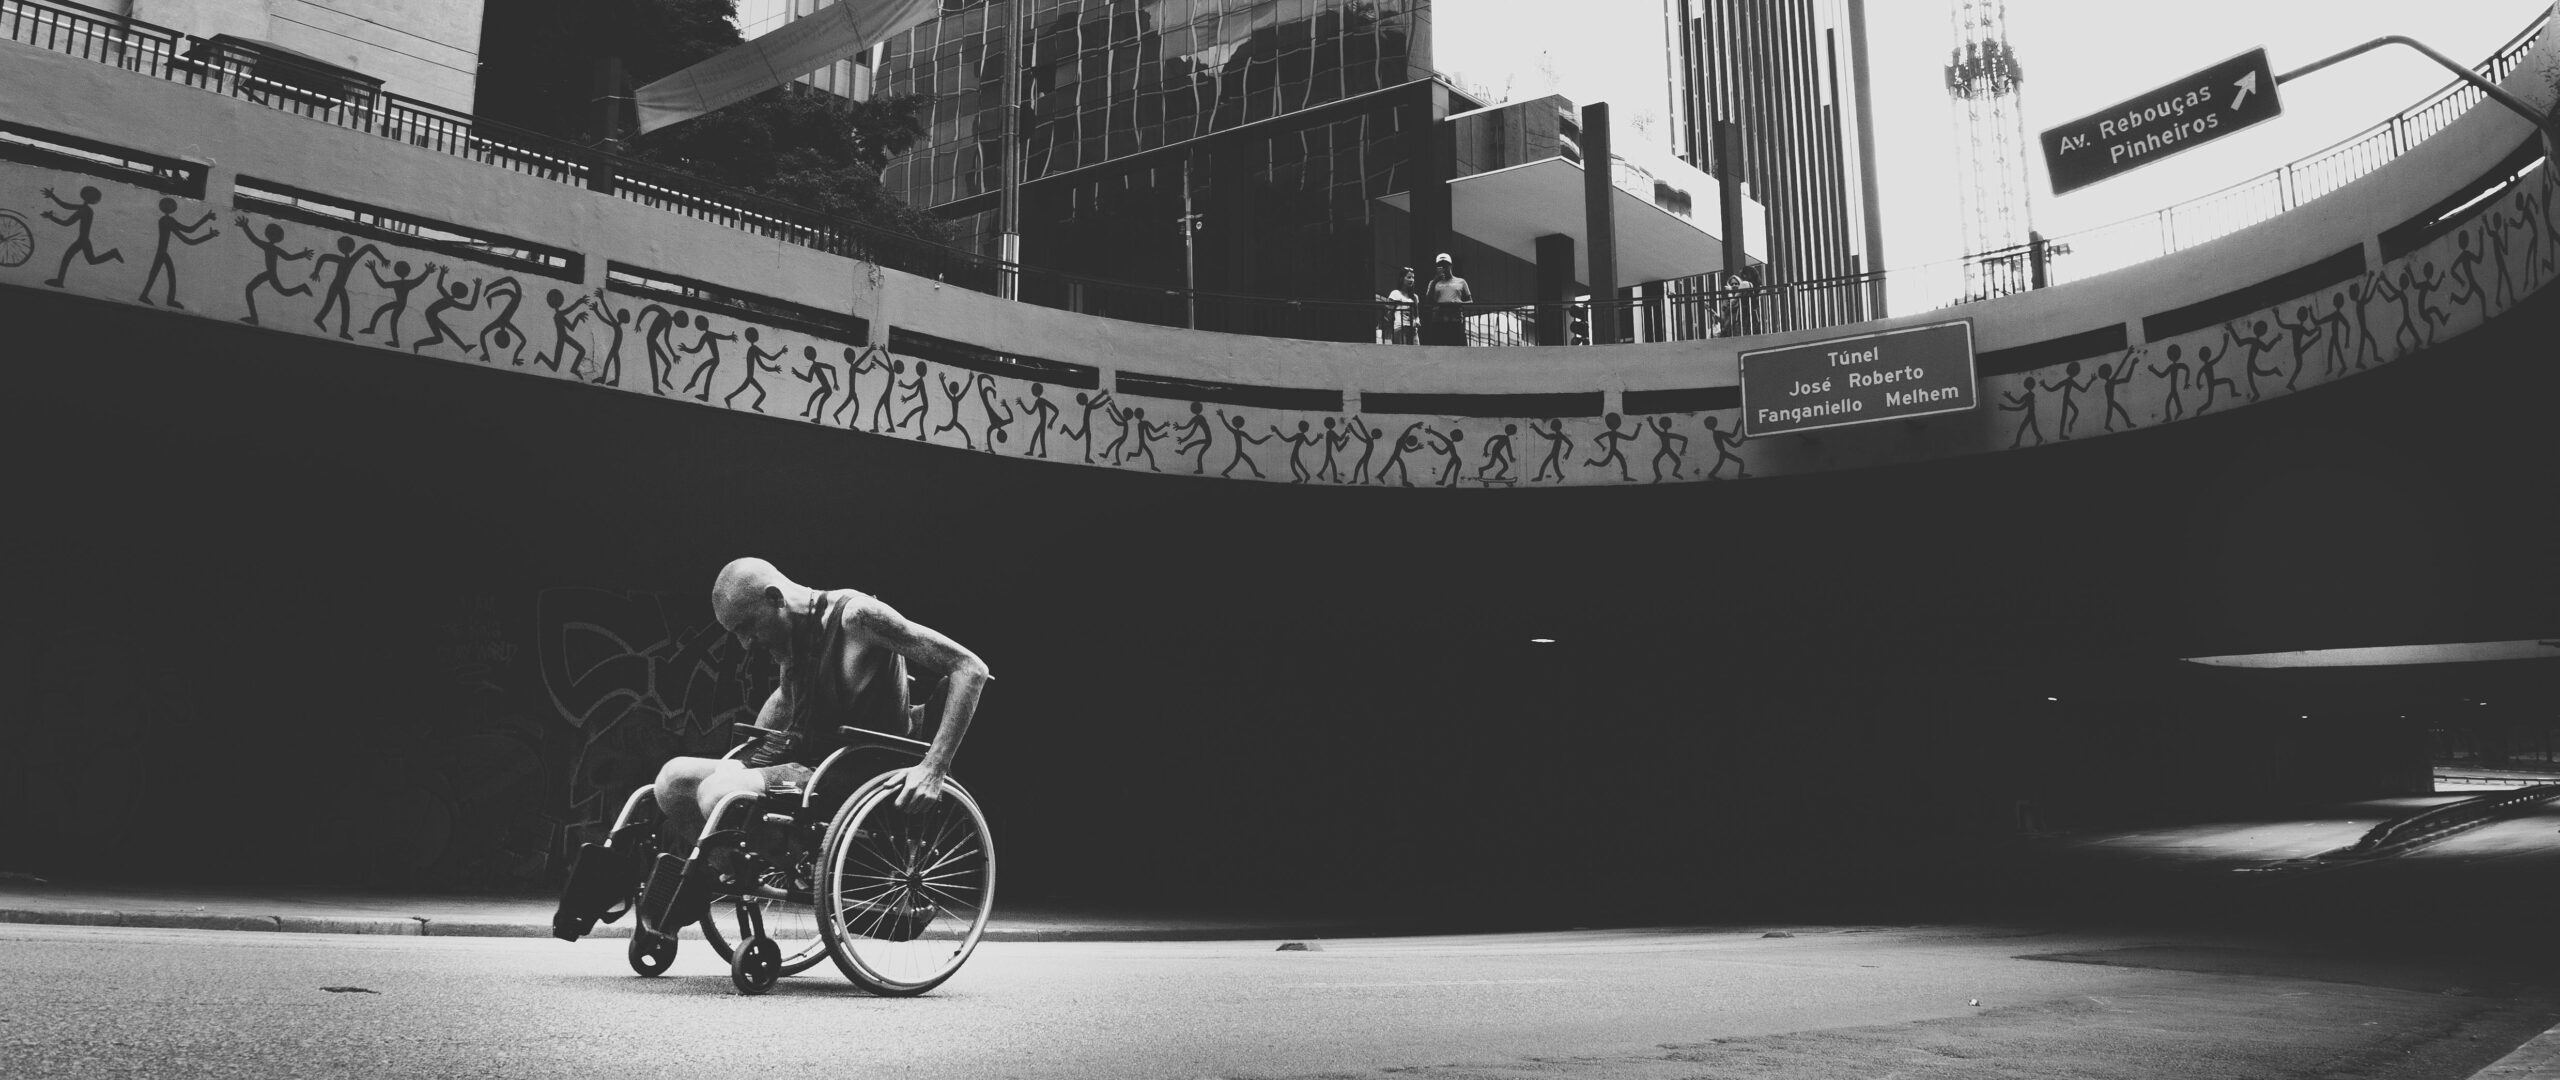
(1914, 371)
(2183, 115)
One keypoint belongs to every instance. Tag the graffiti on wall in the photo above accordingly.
(287, 274)
(635, 684)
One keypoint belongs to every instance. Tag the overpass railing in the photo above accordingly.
(1690, 308)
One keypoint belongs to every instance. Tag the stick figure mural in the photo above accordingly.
(1558, 445)
(2529, 222)
(339, 267)
(566, 314)
(1497, 456)
(2210, 379)
(2302, 333)
(954, 392)
(2112, 377)
(1298, 443)
(1148, 433)
(888, 392)
(708, 371)
(1194, 440)
(2464, 270)
(756, 361)
(80, 217)
(2177, 375)
(2257, 347)
(2071, 384)
(2495, 239)
(912, 392)
(1608, 444)
(1726, 444)
(1044, 414)
(2374, 286)
(854, 365)
(999, 415)
(1235, 427)
(449, 297)
(170, 229)
(1124, 418)
(1667, 446)
(1086, 404)
(814, 410)
(2422, 287)
(1333, 441)
(1368, 437)
(271, 244)
(1395, 455)
(400, 285)
(2334, 328)
(657, 349)
(1449, 448)
(502, 330)
(2024, 401)
(609, 371)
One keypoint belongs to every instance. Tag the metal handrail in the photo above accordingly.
(1680, 309)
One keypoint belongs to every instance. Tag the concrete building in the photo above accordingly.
(425, 50)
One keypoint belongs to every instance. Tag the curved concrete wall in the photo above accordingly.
(2279, 308)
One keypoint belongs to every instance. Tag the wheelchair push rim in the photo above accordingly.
(904, 895)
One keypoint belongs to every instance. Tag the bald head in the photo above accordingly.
(750, 598)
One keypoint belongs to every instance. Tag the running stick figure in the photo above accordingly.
(272, 244)
(2210, 379)
(2257, 345)
(2303, 332)
(564, 324)
(170, 229)
(1086, 404)
(400, 285)
(81, 216)
(1726, 444)
(2464, 270)
(1608, 446)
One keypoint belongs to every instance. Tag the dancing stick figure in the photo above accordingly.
(1368, 438)
(502, 327)
(564, 324)
(912, 392)
(2112, 377)
(1404, 443)
(1558, 445)
(1497, 454)
(400, 285)
(2071, 384)
(1194, 440)
(755, 362)
(1726, 444)
(1044, 413)
(954, 392)
(1448, 451)
(1664, 441)
(449, 297)
(170, 229)
(708, 371)
(1086, 404)
(2023, 401)
(273, 276)
(609, 372)
(81, 216)
(1235, 427)
(340, 267)
(1608, 444)
(822, 373)
(1297, 445)
(999, 415)
(2178, 378)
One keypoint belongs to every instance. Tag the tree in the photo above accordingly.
(795, 144)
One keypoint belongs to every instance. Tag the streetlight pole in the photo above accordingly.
(1009, 196)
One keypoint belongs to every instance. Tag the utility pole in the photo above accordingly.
(1009, 197)
(1190, 260)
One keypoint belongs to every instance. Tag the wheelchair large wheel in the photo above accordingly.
(903, 895)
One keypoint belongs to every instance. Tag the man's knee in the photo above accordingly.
(681, 778)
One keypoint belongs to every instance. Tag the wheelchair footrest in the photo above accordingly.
(678, 893)
(601, 882)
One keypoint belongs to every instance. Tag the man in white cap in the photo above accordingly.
(1443, 321)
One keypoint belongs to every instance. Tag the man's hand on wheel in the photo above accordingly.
(916, 784)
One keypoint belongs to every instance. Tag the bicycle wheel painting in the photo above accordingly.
(17, 242)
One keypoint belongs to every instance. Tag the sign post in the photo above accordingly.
(1914, 371)
(2183, 115)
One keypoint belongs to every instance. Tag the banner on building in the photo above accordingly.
(801, 46)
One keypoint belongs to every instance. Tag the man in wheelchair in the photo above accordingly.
(843, 656)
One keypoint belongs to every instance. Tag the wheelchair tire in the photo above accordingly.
(790, 925)
(756, 967)
(903, 896)
(650, 954)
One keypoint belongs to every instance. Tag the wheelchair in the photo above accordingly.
(897, 898)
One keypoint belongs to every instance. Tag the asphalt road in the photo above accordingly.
(1913, 1002)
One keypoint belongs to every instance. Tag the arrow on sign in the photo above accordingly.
(2246, 84)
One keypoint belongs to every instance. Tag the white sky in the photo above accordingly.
(2079, 56)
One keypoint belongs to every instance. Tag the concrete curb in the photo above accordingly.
(2537, 1059)
(422, 926)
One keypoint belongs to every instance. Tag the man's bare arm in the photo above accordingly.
(964, 675)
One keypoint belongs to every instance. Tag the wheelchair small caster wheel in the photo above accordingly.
(651, 954)
(756, 966)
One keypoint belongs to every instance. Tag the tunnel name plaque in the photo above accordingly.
(1894, 375)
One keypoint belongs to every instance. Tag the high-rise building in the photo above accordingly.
(1789, 79)
(1303, 148)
